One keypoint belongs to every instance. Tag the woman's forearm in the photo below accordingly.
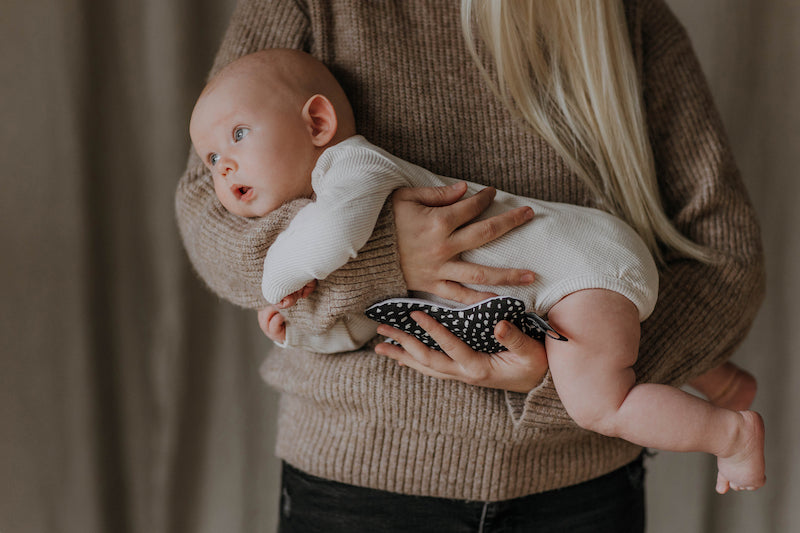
(704, 310)
(228, 251)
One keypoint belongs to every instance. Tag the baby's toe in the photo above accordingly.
(722, 484)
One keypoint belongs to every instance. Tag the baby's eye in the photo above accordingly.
(240, 133)
(213, 158)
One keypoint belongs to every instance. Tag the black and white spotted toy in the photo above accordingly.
(473, 324)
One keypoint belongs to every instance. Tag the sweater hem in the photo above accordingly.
(412, 461)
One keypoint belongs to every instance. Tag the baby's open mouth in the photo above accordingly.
(242, 192)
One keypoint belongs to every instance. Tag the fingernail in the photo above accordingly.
(501, 330)
(527, 278)
(529, 214)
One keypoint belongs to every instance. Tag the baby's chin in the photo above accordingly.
(249, 213)
(241, 209)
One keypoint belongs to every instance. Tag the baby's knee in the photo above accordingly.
(598, 417)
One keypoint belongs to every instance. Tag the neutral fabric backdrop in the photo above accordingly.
(130, 400)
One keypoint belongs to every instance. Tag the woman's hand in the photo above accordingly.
(433, 228)
(520, 369)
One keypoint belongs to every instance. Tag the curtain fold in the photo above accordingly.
(130, 399)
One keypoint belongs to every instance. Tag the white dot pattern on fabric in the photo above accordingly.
(474, 324)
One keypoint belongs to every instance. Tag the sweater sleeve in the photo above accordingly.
(228, 251)
(703, 311)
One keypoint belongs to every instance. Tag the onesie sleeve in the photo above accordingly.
(351, 184)
(228, 251)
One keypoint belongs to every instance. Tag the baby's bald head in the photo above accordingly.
(289, 77)
(262, 122)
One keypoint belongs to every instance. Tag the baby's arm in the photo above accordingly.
(593, 374)
(351, 186)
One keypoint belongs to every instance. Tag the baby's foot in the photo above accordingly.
(744, 468)
(739, 393)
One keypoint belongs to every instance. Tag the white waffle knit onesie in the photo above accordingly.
(569, 247)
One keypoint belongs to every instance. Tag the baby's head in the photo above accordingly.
(260, 125)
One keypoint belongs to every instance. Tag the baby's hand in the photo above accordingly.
(272, 324)
(291, 299)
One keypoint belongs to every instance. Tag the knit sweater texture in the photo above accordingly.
(359, 418)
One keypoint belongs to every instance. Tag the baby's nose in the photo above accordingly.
(226, 166)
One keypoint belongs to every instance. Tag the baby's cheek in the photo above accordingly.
(219, 190)
(226, 199)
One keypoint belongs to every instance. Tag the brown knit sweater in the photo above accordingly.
(358, 417)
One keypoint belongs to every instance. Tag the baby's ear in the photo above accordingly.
(320, 117)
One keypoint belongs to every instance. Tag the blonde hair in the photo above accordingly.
(566, 67)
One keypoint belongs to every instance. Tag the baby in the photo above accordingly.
(275, 126)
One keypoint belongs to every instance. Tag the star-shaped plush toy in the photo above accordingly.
(474, 324)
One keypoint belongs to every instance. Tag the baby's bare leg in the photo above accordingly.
(595, 380)
(727, 386)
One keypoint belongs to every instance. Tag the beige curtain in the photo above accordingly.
(130, 400)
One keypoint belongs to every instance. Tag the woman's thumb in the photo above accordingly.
(511, 336)
(432, 196)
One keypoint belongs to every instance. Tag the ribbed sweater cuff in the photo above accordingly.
(374, 274)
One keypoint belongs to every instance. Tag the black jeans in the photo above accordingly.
(611, 503)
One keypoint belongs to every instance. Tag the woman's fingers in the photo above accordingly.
(447, 341)
(431, 196)
(458, 359)
(404, 358)
(514, 339)
(413, 353)
(453, 290)
(467, 209)
(479, 233)
(458, 272)
(519, 369)
(433, 229)
(457, 212)
(464, 272)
